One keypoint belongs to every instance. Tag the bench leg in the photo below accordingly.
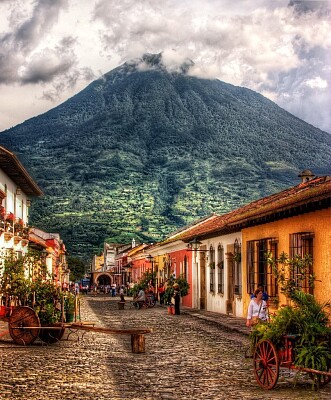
(138, 343)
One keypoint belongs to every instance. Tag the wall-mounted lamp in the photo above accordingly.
(28, 203)
(194, 245)
(18, 191)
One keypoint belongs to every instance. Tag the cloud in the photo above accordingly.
(27, 29)
(278, 48)
(274, 48)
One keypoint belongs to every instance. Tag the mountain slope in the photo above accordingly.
(141, 151)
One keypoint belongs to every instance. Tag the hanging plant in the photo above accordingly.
(237, 257)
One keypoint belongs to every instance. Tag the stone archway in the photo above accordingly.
(103, 280)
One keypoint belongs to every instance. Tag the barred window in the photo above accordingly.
(237, 267)
(220, 269)
(259, 272)
(302, 244)
(212, 268)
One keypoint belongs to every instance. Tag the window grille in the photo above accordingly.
(237, 268)
(259, 272)
(302, 244)
(220, 269)
(212, 268)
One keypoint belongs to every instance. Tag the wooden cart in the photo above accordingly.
(267, 360)
(24, 328)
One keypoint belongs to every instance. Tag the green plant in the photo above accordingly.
(69, 302)
(316, 356)
(237, 257)
(303, 317)
(183, 287)
(292, 273)
(48, 314)
(26, 281)
(143, 284)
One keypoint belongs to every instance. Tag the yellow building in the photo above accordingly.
(295, 221)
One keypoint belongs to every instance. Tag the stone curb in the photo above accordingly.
(230, 324)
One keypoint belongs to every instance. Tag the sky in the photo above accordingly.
(52, 49)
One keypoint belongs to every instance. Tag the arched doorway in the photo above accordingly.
(103, 283)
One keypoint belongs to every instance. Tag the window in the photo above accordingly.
(258, 270)
(301, 244)
(212, 268)
(237, 267)
(220, 269)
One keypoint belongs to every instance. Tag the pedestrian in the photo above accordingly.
(265, 295)
(122, 294)
(257, 309)
(176, 296)
(161, 294)
(113, 290)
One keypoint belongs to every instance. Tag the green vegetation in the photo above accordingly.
(140, 154)
(183, 288)
(39, 293)
(304, 317)
(77, 268)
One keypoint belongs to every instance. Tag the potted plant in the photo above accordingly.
(169, 291)
(70, 302)
(237, 257)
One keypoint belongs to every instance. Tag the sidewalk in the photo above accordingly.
(228, 322)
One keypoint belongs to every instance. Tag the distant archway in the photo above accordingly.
(103, 280)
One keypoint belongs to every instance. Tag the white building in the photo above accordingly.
(16, 189)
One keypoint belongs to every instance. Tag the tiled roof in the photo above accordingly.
(10, 164)
(299, 199)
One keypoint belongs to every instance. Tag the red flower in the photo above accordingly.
(10, 216)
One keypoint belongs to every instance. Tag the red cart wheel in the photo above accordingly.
(266, 364)
(23, 325)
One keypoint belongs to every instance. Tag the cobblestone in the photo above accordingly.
(192, 356)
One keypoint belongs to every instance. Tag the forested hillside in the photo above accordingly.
(141, 152)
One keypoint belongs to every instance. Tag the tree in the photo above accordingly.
(77, 268)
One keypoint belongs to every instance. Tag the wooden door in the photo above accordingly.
(230, 280)
(202, 280)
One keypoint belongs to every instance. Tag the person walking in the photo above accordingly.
(177, 298)
(257, 309)
(161, 294)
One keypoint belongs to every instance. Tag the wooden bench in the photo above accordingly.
(137, 334)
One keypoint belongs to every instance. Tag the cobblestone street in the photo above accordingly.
(186, 358)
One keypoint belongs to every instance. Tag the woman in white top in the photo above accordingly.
(257, 308)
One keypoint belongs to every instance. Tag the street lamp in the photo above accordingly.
(194, 244)
(150, 259)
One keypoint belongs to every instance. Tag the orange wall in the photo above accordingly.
(317, 222)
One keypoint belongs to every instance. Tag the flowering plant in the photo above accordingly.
(10, 217)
